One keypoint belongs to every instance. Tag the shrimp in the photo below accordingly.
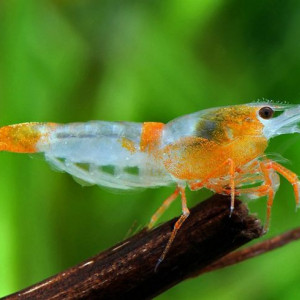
(221, 149)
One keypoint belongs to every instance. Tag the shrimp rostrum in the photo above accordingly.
(221, 149)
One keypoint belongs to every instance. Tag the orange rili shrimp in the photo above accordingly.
(221, 149)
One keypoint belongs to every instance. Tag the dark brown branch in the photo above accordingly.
(127, 270)
(255, 250)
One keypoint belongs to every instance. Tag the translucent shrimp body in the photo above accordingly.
(221, 149)
(110, 154)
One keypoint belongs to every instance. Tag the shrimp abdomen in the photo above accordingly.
(104, 153)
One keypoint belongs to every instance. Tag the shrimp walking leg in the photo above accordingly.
(289, 175)
(230, 162)
(163, 208)
(260, 191)
(271, 192)
(178, 224)
(267, 189)
(232, 185)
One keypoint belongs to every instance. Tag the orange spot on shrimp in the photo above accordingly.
(19, 138)
(128, 144)
(151, 134)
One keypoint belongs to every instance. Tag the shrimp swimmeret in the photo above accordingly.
(221, 149)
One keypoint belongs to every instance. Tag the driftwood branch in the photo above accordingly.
(255, 250)
(127, 270)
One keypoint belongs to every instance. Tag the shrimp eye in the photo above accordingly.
(266, 112)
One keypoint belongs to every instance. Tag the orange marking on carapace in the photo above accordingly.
(151, 134)
(195, 158)
(128, 144)
(19, 138)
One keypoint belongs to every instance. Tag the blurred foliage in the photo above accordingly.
(78, 60)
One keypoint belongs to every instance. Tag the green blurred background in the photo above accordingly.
(65, 61)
